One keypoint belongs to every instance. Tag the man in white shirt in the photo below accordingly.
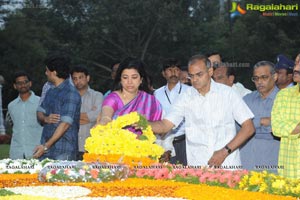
(174, 141)
(210, 110)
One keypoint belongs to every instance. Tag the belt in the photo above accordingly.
(179, 138)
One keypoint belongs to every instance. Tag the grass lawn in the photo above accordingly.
(4, 151)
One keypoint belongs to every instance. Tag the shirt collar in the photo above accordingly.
(213, 86)
(30, 99)
(176, 89)
(63, 84)
(88, 91)
(272, 95)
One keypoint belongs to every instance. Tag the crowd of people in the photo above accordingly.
(202, 116)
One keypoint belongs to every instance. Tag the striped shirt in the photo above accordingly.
(284, 117)
(209, 122)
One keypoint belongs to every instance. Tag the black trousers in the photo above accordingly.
(180, 150)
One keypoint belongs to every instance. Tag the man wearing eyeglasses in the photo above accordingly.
(225, 74)
(285, 118)
(284, 68)
(261, 151)
(210, 110)
(26, 129)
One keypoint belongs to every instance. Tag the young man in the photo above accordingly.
(59, 113)
(174, 142)
(210, 110)
(26, 129)
(91, 102)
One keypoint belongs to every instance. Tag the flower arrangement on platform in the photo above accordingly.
(138, 187)
(73, 171)
(270, 183)
(238, 179)
(115, 142)
(209, 176)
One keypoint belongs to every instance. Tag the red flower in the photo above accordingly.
(162, 173)
(94, 173)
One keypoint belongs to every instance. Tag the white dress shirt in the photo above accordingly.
(240, 89)
(209, 122)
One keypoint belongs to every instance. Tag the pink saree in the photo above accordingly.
(144, 103)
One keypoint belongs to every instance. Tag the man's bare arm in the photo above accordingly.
(51, 119)
(59, 132)
(242, 136)
(161, 127)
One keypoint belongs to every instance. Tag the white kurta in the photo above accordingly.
(209, 122)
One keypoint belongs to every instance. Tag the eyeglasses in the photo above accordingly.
(296, 72)
(198, 75)
(216, 64)
(19, 83)
(263, 77)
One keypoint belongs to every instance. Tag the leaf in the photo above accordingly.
(143, 122)
(143, 137)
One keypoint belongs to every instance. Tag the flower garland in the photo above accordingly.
(116, 140)
(216, 177)
(270, 183)
(137, 187)
(73, 171)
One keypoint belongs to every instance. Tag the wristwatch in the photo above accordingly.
(228, 149)
(45, 148)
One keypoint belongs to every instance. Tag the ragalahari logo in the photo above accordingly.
(236, 10)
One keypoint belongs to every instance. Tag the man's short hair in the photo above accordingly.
(59, 62)
(213, 53)
(171, 62)
(21, 73)
(80, 68)
(199, 57)
(265, 63)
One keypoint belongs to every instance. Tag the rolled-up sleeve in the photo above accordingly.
(69, 108)
(41, 109)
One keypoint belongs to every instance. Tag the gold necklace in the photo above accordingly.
(127, 99)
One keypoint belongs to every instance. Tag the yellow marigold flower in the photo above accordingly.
(256, 179)
(278, 184)
(48, 175)
(263, 187)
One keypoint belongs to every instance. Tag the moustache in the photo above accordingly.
(174, 77)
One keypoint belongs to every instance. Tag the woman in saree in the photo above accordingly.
(131, 92)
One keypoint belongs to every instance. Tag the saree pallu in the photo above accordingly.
(144, 103)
